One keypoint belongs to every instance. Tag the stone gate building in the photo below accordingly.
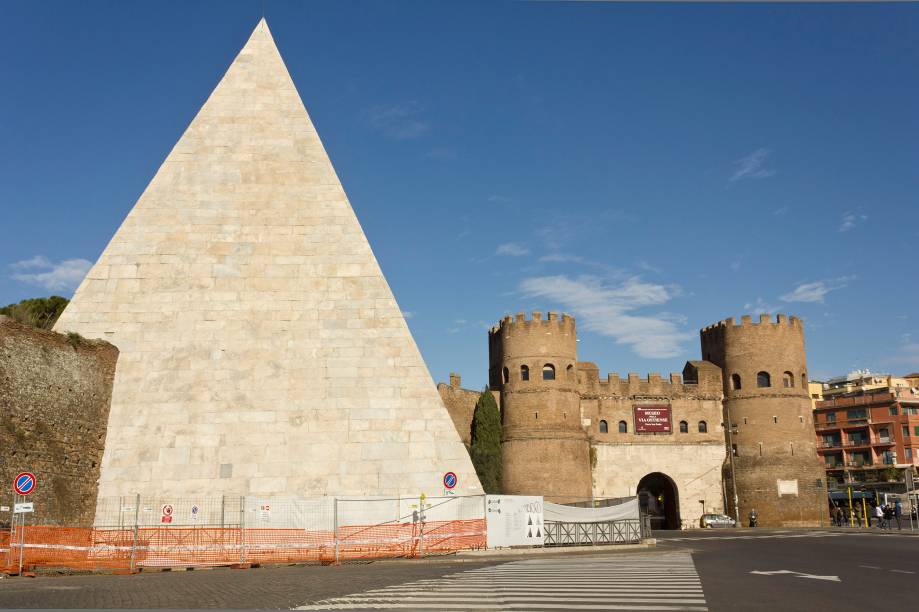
(573, 436)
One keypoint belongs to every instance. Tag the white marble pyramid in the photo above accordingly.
(262, 351)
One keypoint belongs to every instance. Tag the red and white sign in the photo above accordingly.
(167, 513)
(652, 419)
(24, 483)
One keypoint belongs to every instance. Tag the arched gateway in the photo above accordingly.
(658, 496)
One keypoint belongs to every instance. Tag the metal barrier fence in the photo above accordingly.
(624, 531)
(134, 533)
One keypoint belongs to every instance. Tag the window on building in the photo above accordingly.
(893, 411)
(788, 380)
(524, 372)
(604, 428)
(623, 428)
(504, 376)
(548, 372)
(570, 371)
(684, 427)
(906, 431)
(804, 380)
(703, 427)
(909, 454)
(916, 430)
(775, 419)
(830, 417)
(763, 380)
(735, 381)
(854, 414)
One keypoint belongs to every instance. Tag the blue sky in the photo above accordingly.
(650, 169)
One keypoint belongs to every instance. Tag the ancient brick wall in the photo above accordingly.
(460, 404)
(54, 405)
(533, 363)
(775, 460)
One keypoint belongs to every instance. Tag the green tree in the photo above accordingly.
(37, 312)
(486, 442)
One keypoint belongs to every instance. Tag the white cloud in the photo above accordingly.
(561, 258)
(753, 166)
(815, 291)
(778, 212)
(399, 122)
(60, 276)
(760, 307)
(512, 249)
(408, 314)
(610, 310)
(850, 220)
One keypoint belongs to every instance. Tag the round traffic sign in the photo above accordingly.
(24, 483)
(450, 480)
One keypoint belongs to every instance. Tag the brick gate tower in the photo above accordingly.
(545, 450)
(772, 456)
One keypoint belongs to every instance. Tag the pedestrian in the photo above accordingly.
(858, 516)
(752, 517)
(840, 518)
(880, 511)
(897, 513)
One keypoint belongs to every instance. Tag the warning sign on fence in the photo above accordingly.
(167, 513)
(514, 520)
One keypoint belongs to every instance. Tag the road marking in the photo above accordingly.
(798, 575)
(871, 567)
(625, 582)
(902, 572)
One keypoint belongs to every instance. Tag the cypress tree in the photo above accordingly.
(486, 442)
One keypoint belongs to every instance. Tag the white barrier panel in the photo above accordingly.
(514, 520)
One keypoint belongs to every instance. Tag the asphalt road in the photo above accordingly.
(874, 571)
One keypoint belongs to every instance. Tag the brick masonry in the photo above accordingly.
(551, 424)
(55, 394)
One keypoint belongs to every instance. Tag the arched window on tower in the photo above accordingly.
(763, 380)
(735, 381)
(524, 372)
(788, 380)
(505, 375)
(604, 428)
(804, 380)
(548, 372)
(703, 427)
(570, 372)
(684, 427)
(623, 428)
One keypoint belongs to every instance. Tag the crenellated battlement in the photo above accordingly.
(701, 380)
(519, 323)
(765, 320)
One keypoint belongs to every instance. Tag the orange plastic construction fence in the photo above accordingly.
(89, 549)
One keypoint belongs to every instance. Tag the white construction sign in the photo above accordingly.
(514, 520)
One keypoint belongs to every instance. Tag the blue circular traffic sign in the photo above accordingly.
(24, 483)
(450, 480)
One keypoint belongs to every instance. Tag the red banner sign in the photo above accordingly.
(652, 419)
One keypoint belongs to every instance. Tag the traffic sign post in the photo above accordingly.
(450, 482)
(24, 483)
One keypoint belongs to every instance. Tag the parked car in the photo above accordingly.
(716, 520)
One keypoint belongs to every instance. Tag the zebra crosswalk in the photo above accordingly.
(620, 582)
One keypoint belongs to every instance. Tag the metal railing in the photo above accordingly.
(624, 531)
